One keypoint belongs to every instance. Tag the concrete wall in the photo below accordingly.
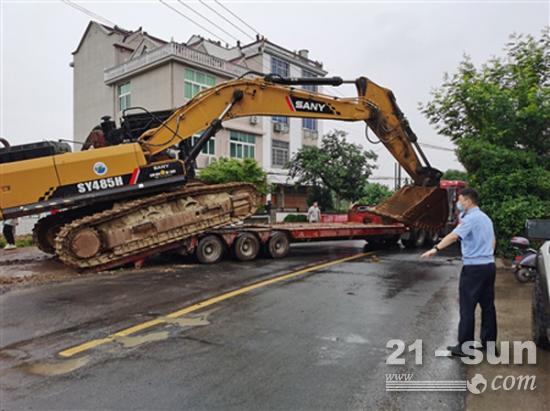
(150, 89)
(92, 98)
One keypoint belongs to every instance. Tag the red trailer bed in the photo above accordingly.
(245, 241)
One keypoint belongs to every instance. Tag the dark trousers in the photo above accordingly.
(477, 286)
(8, 233)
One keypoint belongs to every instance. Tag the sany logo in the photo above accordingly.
(100, 168)
(308, 105)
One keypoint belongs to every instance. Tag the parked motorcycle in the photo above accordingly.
(525, 262)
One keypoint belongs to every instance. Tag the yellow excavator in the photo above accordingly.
(130, 199)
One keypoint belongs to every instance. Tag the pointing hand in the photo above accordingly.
(429, 253)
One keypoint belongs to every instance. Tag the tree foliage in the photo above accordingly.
(455, 175)
(499, 117)
(339, 166)
(225, 170)
(374, 193)
(322, 195)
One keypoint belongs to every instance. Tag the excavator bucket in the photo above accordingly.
(420, 207)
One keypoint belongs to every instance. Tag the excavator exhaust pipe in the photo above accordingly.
(426, 208)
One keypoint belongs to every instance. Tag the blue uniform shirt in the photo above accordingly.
(476, 237)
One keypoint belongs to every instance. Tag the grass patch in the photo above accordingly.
(20, 241)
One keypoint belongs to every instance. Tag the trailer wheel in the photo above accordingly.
(278, 245)
(246, 247)
(417, 238)
(209, 250)
(433, 238)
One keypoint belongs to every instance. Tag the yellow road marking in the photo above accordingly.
(69, 352)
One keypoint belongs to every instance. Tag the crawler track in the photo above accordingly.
(146, 226)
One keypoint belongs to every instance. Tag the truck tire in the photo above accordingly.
(246, 247)
(209, 250)
(539, 320)
(417, 239)
(278, 245)
(433, 238)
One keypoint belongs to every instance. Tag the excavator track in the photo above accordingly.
(146, 226)
(45, 230)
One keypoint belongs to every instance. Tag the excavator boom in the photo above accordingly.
(421, 205)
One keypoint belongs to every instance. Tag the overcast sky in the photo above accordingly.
(405, 46)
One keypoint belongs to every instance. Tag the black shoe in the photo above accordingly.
(456, 351)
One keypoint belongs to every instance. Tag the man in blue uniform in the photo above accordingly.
(477, 279)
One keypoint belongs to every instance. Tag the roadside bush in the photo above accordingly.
(295, 218)
(455, 175)
(225, 170)
(375, 193)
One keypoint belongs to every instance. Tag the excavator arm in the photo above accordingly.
(422, 205)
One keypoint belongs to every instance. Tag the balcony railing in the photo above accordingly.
(180, 51)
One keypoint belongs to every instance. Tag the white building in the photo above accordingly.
(115, 69)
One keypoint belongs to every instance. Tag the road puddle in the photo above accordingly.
(189, 321)
(182, 322)
(134, 341)
(55, 368)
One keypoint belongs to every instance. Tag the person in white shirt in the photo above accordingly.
(314, 213)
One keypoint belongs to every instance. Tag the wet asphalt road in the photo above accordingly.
(317, 341)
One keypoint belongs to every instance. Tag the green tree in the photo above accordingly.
(225, 170)
(339, 166)
(499, 117)
(374, 193)
(322, 195)
(455, 175)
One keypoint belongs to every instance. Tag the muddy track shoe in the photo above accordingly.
(146, 226)
(420, 207)
(46, 229)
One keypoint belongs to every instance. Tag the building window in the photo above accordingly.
(279, 119)
(209, 148)
(124, 96)
(307, 73)
(280, 67)
(309, 124)
(279, 153)
(242, 145)
(197, 81)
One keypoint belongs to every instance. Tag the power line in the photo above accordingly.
(267, 69)
(226, 19)
(89, 13)
(192, 21)
(237, 17)
(437, 147)
(207, 19)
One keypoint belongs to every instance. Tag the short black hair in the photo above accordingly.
(471, 194)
